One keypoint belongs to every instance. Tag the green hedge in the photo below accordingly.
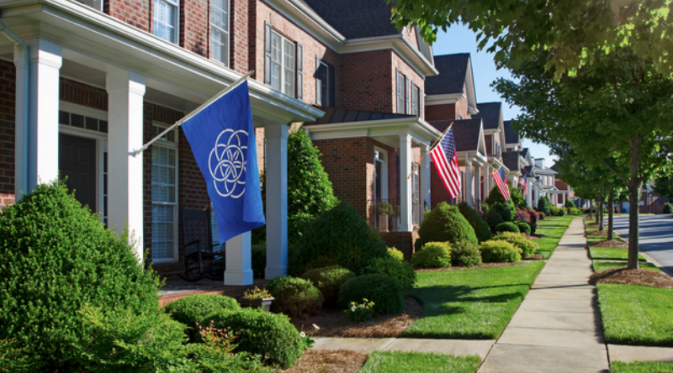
(507, 226)
(526, 247)
(465, 254)
(403, 272)
(328, 280)
(445, 223)
(499, 252)
(384, 291)
(294, 296)
(193, 308)
(433, 255)
(481, 228)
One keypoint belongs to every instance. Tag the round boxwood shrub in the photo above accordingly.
(498, 251)
(445, 223)
(193, 308)
(554, 211)
(328, 280)
(264, 333)
(570, 204)
(562, 212)
(383, 290)
(433, 255)
(525, 246)
(55, 257)
(507, 226)
(294, 296)
(403, 272)
(543, 205)
(668, 209)
(395, 254)
(465, 254)
(523, 226)
(339, 236)
(481, 228)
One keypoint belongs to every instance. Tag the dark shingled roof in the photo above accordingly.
(490, 111)
(511, 136)
(524, 152)
(452, 72)
(465, 132)
(336, 115)
(511, 160)
(356, 19)
(529, 170)
(555, 167)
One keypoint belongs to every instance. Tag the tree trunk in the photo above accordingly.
(610, 214)
(591, 206)
(634, 192)
(601, 208)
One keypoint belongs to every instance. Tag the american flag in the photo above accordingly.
(524, 184)
(501, 182)
(446, 163)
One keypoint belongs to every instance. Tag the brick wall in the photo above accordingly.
(134, 12)
(194, 26)
(370, 82)
(398, 63)
(238, 60)
(7, 108)
(440, 112)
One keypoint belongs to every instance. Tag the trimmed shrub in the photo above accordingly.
(554, 211)
(383, 290)
(517, 197)
(328, 280)
(522, 215)
(570, 204)
(507, 226)
(493, 218)
(481, 228)
(403, 272)
(193, 308)
(433, 255)
(525, 246)
(494, 196)
(264, 333)
(542, 215)
(523, 226)
(294, 296)
(55, 257)
(506, 210)
(574, 211)
(339, 236)
(668, 209)
(544, 206)
(562, 212)
(499, 252)
(465, 254)
(396, 254)
(445, 223)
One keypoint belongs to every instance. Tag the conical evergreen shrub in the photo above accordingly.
(445, 223)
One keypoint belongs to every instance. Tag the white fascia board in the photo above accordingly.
(443, 99)
(495, 162)
(421, 131)
(306, 18)
(471, 88)
(473, 156)
(87, 31)
(514, 173)
(399, 44)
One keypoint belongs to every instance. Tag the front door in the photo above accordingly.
(77, 165)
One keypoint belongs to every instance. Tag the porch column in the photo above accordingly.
(125, 134)
(405, 183)
(238, 269)
(470, 181)
(426, 201)
(276, 199)
(36, 147)
(477, 186)
(487, 181)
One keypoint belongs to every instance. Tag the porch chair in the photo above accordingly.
(202, 258)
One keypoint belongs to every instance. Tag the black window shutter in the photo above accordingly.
(318, 87)
(300, 72)
(420, 102)
(406, 95)
(267, 53)
(332, 90)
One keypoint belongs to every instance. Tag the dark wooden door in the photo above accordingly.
(77, 163)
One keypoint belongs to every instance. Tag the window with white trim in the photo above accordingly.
(219, 31)
(96, 4)
(166, 19)
(400, 94)
(164, 196)
(282, 64)
(322, 75)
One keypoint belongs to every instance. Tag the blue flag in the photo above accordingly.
(223, 142)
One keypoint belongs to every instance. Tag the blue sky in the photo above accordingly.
(459, 39)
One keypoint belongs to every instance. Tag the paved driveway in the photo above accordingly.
(656, 236)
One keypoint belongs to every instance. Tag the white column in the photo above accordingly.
(477, 184)
(239, 261)
(36, 147)
(405, 183)
(487, 181)
(426, 169)
(276, 199)
(470, 181)
(125, 134)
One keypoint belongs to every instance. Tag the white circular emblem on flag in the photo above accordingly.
(227, 163)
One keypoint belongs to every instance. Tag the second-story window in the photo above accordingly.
(414, 99)
(282, 64)
(219, 30)
(322, 84)
(401, 95)
(166, 19)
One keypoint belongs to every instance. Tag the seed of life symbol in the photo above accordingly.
(227, 163)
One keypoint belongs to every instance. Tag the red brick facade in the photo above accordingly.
(195, 26)
(134, 12)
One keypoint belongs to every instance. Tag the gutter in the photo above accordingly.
(22, 185)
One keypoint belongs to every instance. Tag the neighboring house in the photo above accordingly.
(494, 135)
(528, 171)
(567, 192)
(650, 201)
(546, 183)
(512, 138)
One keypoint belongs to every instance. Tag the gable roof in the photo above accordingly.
(452, 74)
(511, 136)
(356, 19)
(336, 115)
(465, 132)
(524, 152)
(490, 112)
(511, 160)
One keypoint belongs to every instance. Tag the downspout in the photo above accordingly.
(22, 48)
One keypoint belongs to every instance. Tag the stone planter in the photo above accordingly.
(264, 303)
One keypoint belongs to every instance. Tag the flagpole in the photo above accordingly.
(413, 169)
(195, 111)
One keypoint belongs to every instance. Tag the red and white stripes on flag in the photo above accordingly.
(501, 182)
(446, 163)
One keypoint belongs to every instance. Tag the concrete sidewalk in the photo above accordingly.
(557, 327)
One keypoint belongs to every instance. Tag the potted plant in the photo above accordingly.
(256, 298)
(383, 209)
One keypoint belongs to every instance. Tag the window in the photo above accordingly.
(164, 196)
(322, 84)
(96, 4)
(400, 93)
(282, 64)
(414, 100)
(166, 19)
(219, 30)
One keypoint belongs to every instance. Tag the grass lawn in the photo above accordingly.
(553, 228)
(636, 315)
(602, 266)
(470, 303)
(641, 367)
(610, 253)
(603, 238)
(403, 362)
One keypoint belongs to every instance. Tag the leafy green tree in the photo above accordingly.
(663, 185)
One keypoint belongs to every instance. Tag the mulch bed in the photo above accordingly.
(535, 257)
(612, 244)
(599, 233)
(485, 265)
(625, 276)
(335, 323)
(329, 361)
